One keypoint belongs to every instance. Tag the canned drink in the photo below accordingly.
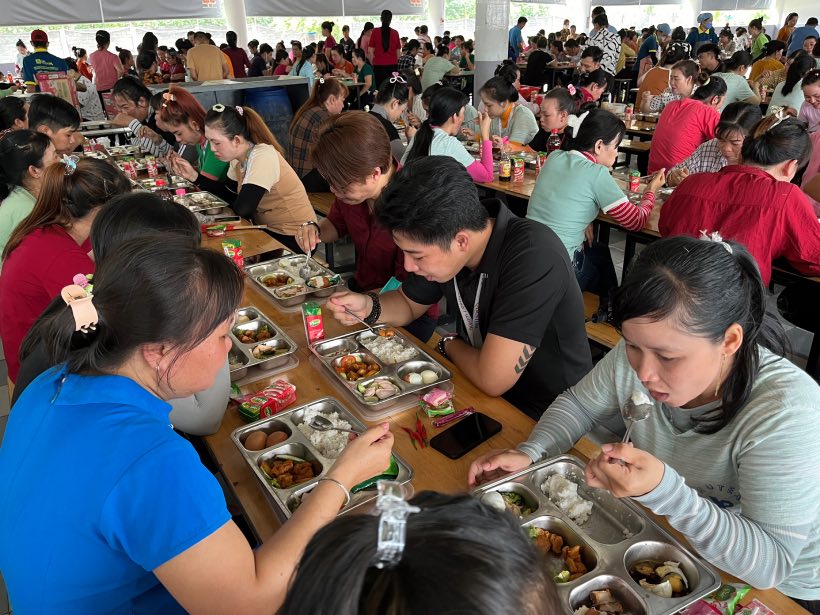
(635, 181)
(128, 168)
(88, 147)
(518, 169)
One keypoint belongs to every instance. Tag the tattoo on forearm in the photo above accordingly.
(529, 351)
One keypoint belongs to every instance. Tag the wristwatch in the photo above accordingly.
(442, 343)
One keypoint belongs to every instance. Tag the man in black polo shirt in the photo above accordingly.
(507, 280)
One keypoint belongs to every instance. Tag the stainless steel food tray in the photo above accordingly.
(330, 351)
(172, 182)
(291, 264)
(242, 353)
(202, 201)
(284, 500)
(617, 534)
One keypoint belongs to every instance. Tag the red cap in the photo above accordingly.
(38, 36)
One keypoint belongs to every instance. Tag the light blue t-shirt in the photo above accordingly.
(569, 193)
(96, 491)
(307, 72)
(444, 145)
(737, 88)
(793, 99)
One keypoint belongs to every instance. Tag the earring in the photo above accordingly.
(720, 374)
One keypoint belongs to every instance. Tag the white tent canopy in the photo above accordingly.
(302, 8)
(44, 12)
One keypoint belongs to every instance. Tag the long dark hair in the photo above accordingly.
(386, 18)
(444, 104)
(709, 87)
(441, 565)
(368, 26)
(12, 109)
(769, 144)
(799, 67)
(19, 150)
(598, 124)
(231, 38)
(393, 89)
(248, 124)
(772, 47)
(738, 117)
(738, 59)
(706, 288)
(323, 89)
(307, 53)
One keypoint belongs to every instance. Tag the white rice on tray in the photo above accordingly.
(329, 443)
(389, 350)
(564, 494)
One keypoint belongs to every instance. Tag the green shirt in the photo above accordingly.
(209, 164)
(462, 63)
(569, 193)
(14, 208)
(434, 70)
(737, 88)
(758, 45)
(363, 72)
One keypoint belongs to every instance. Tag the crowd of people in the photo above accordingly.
(98, 377)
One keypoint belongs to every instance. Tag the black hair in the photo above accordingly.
(501, 89)
(810, 78)
(231, 38)
(427, 96)
(445, 40)
(727, 33)
(790, 17)
(598, 77)
(522, 20)
(738, 59)
(328, 25)
(443, 569)
(386, 18)
(757, 24)
(53, 112)
(431, 200)
(772, 141)
(597, 125)
(132, 88)
(79, 52)
(412, 46)
(12, 108)
(145, 59)
(103, 38)
(71, 63)
(19, 43)
(773, 47)
(706, 288)
(571, 43)
(19, 150)
(676, 52)
(444, 104)
(709, 87)
(359, 53)
(563, 99)
(266, 48)
(678, 34)
(811, 21)
(598, 10)
(715, 51)
(123, 54)
(395, 90)
(149, 42)
(601, 20)
(557, 44)
(368, 25)
(738, 117)
(442, 50)
(596, 53)
(799, 67)
(307, 54)
(253, 43)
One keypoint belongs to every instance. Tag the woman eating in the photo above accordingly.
(726, 44)
(391, 103)
(687, 123)
(363, 73)
(736, 121)
(511, 122)
(556, 107)
(658, 79)
(303, 66)
(754, 202)
(133, 102)
(50, 246)
(591, 86)
(360, 140)
(771, 60)
(185, 117)
(152, 532)
(574, 186)
(737, 88)
(437, 135)
(725, 403)
(682, 80)
(810, 109)
(327, 99)
(24, 157)
(788, 95)
(770, 79)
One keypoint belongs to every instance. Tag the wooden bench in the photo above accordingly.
(600, 333)
(321, 203)
(639, 148)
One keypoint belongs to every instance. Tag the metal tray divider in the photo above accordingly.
(278, 333)
(290, 301)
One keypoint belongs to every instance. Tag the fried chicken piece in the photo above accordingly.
(557, 542)
(572, 558)
(285, 481)
(542, 541)
(281, 467)
(303, 471)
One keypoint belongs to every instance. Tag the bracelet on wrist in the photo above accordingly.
(341, 486)
(441, 347)
(375, 311)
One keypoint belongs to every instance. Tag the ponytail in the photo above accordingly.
(774, 140)
(307, 54)
(323, 89)
(738, 59)
(772, 47)
(386, 18)
(709, 86)
(501, 89)
(393, 88)
(598, 125)
(797, 70)
(19, 150)
(244, 122)
(444, 104)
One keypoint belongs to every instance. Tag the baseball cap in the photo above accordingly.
(704, 17)
(664, 27)
(38, 36)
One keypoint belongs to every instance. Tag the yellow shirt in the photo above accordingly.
(761, 66)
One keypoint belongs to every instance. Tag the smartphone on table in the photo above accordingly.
(465, 435)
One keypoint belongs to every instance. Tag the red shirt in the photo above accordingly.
(772, 218)
(345, 66)
(32, 275)
(380, 56)
(239, 60)
(683, 125)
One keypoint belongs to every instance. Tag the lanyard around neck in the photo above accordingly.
(471, 322)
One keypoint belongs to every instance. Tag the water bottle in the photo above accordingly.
(554, 141)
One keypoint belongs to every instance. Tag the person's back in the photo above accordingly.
(434, 70)
(799, 35)
(536, 65)
(682, 127)
(655, 81)
(105, 65)
(40, 61)
(207, 61)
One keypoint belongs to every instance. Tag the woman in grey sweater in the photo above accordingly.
(727, 455)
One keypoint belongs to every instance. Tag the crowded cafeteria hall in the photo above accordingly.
(400, 312)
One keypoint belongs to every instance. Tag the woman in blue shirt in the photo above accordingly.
(103, 507)
(304, 67)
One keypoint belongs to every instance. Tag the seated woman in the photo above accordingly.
(133, 102)
(326, 99)
(260, 183)
(682, 80)
(127, 217)
(152, 532)
(771, 60)
(437, 135)
(337, 572)
(811, 176)
(754, 202)
(556, 107)
(658, 79)
(49, 247)
(363, 73)
(391, 102)
(725, 403)
(810, 109)
(736, 121)
(359, 139)
(591, 86)
(734, 74)
(185, 118)
(511, 121)
(789, 94)
(13, 114)
(24, 157)
(771, 78)
(687, 123)
(303, 67)
(575, 185)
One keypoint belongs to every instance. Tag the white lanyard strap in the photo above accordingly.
(471, 323)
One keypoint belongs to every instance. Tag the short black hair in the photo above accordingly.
(598, 10)
(431, 200)
(131, 88)
(811, 21)
(53, 112)
(601, 20)
(596, 53)
(522, 19)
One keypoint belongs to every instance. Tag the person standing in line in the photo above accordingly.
(384, 48)
(515, 40)
(41, 61)
(107, 66)
(237, 56)
(206, 62)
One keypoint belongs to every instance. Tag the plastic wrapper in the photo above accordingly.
(437, 402)
(233, 250)
(267, 402)
(755, 607)
(314, 324)
(723, 601)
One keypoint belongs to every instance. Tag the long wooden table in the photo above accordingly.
(432, 470)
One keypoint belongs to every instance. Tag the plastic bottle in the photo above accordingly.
(554, 141)
(505, 165)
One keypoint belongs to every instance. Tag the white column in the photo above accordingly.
(690, 11)
(237, 20)
(492, 25)
(435, 15)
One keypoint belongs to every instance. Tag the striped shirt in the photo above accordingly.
(146, 144)
(706, 159)
(747, 498)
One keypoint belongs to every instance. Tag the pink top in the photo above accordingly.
(105, 66)
(812, 169)
(330, 43)
(810, 115)
(682, 127)
(380, 56)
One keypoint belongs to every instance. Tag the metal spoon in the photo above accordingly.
(633, 413)
(372, 330)
(320, 423)
(304, 271)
